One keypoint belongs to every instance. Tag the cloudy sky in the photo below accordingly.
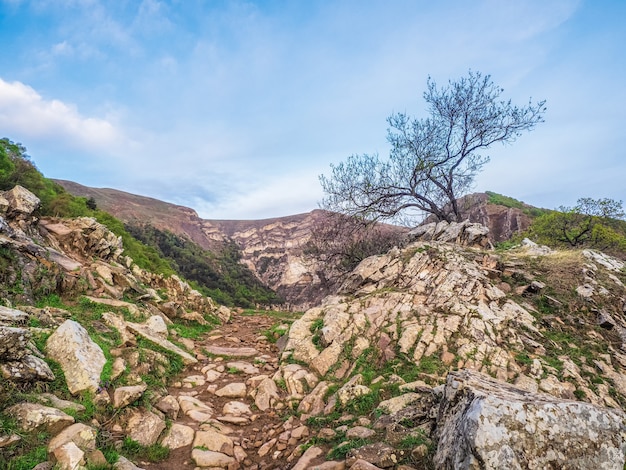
(235, 107)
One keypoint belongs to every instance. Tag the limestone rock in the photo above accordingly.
(81, 359)
(148, 333)
(35, 417)
(13, 343)
(144, 427)
(232, 352)
(379, 454)
(12, 317)
(232, 390)
(21, 202)
(266, 395)
(123, 396)
(124, 464)
(488, 424)
(168, 405)
(395, 404)
(178, 436)
(69, 457)
(80, 434)
(308, 457)
(214, 441)
(28, 369)
(208, 458)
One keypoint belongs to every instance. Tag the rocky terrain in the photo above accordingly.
(442, 353)
(275, 249)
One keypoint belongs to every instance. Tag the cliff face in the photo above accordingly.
(274, 249)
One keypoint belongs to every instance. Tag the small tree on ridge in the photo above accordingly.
(432, 161)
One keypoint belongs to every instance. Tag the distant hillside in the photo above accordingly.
(275, 249)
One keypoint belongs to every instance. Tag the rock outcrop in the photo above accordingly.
(485, 424)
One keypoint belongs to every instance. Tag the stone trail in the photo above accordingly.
(226, 410)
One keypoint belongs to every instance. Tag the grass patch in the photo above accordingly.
(153, 453)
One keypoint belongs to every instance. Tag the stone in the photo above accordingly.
(53, 400)
(34, 417)
(80, 434)
(9, 439)
(27, 369)
(395, 404)
(379, 454)
(236, 408)
(20, 201)
(124, 464)
(168, 405)
(96, 458)
(232, 352)
(69, 457)
(13, 343)
(79, 356)
(360, 432)
(147, 333)
(214, 441)
(308, 457)
(352, 389)
(361, 464)
(330, 465)
(267, 447)
(145, 427)
(266, 394)
(157, 326)
(493, 425)
(118, 368)
(188, 404)
(212, 375)
(244, 367)
(232, 390)
(194, 380)
(178, 436)
(12, 317)
(209, 458)
(124, 396)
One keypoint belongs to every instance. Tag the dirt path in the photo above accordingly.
(219, 424)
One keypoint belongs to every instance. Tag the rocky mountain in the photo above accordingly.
(276, 249)
(441, 353)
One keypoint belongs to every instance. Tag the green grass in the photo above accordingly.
(154, 453)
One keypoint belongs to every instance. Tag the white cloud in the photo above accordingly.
(25, 113)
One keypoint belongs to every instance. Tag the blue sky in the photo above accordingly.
(234, 108)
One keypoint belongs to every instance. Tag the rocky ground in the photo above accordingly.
(219, 422)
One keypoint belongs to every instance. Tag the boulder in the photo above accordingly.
(21, 202)
(148, 333)
(28, 369)
(80, 434)
(144, 427)
(35, 417)
(214, 441)
(79, 356)
(209, 458)
(13, 343)
(12, 317)
(487, 424)
(178, 436)
(123, 396)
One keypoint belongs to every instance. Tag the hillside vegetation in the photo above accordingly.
(220, 276)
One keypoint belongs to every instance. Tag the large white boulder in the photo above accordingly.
(81, 359)
(486, 424)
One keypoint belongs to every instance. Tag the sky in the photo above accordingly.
(235, 108)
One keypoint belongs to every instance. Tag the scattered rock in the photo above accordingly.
(35, 417)
(81, 359)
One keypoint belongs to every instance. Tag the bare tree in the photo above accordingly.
(432, 161)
